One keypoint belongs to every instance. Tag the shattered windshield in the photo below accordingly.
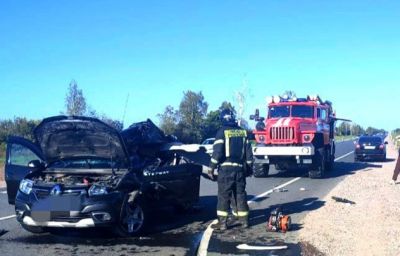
(279, 111)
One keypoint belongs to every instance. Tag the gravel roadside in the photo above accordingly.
(368, 227)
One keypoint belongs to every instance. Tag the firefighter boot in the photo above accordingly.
(221, 225)
(244, 221)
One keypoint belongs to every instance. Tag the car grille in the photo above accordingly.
(43, 193)
(69, 219)
(282, 133)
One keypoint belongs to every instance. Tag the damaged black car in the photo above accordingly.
(82, 173)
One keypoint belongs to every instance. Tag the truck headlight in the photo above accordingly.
(307, 137)
(96, 190)
(25, 186)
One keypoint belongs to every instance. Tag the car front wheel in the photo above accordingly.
(133, 218)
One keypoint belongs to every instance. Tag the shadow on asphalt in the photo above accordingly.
(345, 168)
(339, 169)
(305, 205)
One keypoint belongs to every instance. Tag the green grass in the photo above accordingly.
(343, 138)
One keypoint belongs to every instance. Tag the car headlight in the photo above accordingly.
(25, 186)
(96, 190)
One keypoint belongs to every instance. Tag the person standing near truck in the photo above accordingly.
(232, 153)
(396, 171)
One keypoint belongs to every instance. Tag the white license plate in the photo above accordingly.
(369, 147)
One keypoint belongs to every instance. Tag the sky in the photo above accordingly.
(348, 52)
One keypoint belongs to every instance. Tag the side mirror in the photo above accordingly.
(256, 116)
(36, 164)
(386, 142)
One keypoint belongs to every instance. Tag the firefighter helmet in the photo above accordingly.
(227, 116)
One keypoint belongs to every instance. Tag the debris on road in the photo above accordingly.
(342, 200)
(280, 190)
(278, 221)
(302, 189)
(261, 248)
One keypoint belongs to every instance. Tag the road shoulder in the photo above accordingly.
(368, 227)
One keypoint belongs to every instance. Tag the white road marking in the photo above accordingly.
(205, 239)
(261, 248)
(3, 192)
(271, 190)
(346, 155)
(7, 217)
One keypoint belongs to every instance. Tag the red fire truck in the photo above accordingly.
(298, 132)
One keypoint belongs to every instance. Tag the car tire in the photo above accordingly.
(133, 218)
(34, 230)
(260, 170)
(317, 170)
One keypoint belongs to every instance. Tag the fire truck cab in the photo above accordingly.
(298, 132)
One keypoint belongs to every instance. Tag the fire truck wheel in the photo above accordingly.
(260, 170)
(329, 161)
(317, 170)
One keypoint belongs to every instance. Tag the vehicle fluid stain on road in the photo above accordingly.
(101, 244)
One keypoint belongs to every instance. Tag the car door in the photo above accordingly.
(19, 153)
(180, 183)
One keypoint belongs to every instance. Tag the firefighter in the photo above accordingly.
(233, 157)
(396, 170)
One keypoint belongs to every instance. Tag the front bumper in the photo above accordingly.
(83, 223)
(295, 155)
(61, 211)
(283, 150)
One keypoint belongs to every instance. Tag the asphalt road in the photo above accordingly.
(181, 234)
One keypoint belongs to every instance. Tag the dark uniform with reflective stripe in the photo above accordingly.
(397, 168)
(232, 152)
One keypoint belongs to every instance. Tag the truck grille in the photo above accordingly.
(281, 133)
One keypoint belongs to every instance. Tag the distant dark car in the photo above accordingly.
(82, 173)
(370, 147)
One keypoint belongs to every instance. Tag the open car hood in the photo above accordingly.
(62, 137)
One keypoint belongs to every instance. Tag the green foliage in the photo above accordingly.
(75, 102)
(372, 130)
(169, 120)
(211, 124)
(192, 110)
(344, 129)
(2, 153)
(118, 125)
(191, 123)
(19, 126)
(356, 130)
